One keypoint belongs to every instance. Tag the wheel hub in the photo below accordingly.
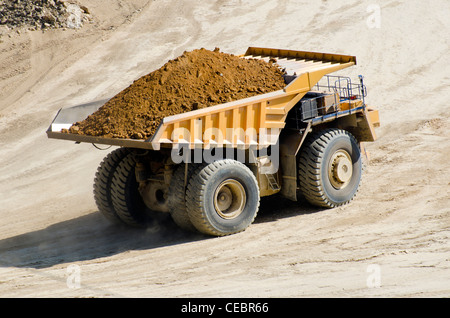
(340, 169)
(229, 199)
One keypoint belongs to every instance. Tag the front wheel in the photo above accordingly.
(222, 198)
(330, 168)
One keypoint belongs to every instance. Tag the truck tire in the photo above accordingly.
(102, 184)
(330, 168)
(222, 197)
(177, 197)
(126, 199)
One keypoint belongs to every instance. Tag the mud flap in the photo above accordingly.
(290, 143)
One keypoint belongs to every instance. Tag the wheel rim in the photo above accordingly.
(340, 169)
(229, 199)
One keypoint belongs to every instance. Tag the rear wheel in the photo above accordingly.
(222, 197)
(330, 168)
(102, 184)
(177, 196)
(126, 198)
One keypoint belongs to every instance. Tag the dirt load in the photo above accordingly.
(194, 80)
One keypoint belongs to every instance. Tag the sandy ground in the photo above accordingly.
(391, 241)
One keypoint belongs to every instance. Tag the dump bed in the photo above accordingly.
(257, 120)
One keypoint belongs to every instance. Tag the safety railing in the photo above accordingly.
(332, 97)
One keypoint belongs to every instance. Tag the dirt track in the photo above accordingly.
(398, 226)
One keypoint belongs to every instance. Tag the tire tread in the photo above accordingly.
(309, 164)
(195, 194)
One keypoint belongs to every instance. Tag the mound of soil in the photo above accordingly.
(195, 80)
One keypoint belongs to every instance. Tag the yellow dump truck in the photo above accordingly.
(208, 168)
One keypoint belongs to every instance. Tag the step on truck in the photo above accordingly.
(209, 167)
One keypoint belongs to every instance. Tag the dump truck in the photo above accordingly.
(209, 167)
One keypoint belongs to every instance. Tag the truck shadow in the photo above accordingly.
(85, 238)
(91, 237)
(277, 207)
